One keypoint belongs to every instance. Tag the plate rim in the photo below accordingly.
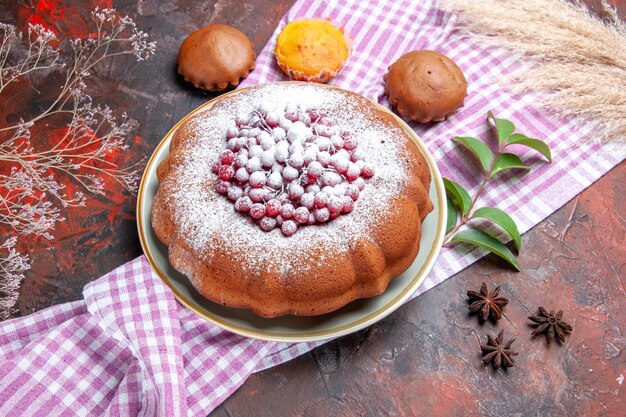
(327, 334)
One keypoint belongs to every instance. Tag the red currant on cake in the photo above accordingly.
(331, 178)
(222, 187)
(227, 157)
(337, 141)
(353, 172)
(289, 227)
(307, 200)
(272, 208)
(275, 180)
(301, 215)
(242, 175)
(257, 211)
(323, 143)
(287, 211)
(232, 132)
(352, 191)
(234, 192)
(253, 164)
(215, 167)
(272, 119)
(290, 173)
(360, 183)
(321, 215)
(291, 111)
(241, 119)
(243, 204)
(257, 179)
(347, 204)
(241, 159)
(267, 223)
(368, 170)
(314, 114)
(349, 142)
(321, 199)
(255, 150)
(315, 169)
(226, 172)
(279, 221)
(324, 158)
(256, 194)
(312, 188)
(295, 191)
(335, 204)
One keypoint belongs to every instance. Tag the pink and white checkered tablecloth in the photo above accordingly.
(129, 348)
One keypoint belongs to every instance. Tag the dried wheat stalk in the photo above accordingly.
(578, 58)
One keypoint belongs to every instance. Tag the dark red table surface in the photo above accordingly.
(422, 360)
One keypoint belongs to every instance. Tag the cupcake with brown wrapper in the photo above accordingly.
(312, 50)
(216, 57)
(425, 86)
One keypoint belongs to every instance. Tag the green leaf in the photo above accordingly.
(486, 241)
(507, 161)
(504, 127)
(460, 197)
(501, 219)
(478, 148)
(536, 144)
(453, 215)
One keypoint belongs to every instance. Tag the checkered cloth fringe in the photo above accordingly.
(129, 348)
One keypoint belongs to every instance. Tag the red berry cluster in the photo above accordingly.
(292, 168)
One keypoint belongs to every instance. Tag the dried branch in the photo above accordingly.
(39, 55)
(32, 179)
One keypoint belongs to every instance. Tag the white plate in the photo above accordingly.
(354, 316)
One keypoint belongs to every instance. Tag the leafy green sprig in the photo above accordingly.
(462, 207)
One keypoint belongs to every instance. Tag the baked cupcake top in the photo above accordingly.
(311, 50)
(425, 86)
(216, 57)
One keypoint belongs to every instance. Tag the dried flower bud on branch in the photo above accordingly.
(38, 54)
(12, 264)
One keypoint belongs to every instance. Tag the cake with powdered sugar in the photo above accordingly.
(291, 198)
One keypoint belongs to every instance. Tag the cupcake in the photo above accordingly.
(425, 86)
(215, 57)
(311, 50)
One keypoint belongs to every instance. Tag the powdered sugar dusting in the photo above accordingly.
(205, 218)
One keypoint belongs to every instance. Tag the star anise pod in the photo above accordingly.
(487, 303)
(497, 352)
(551, 323)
